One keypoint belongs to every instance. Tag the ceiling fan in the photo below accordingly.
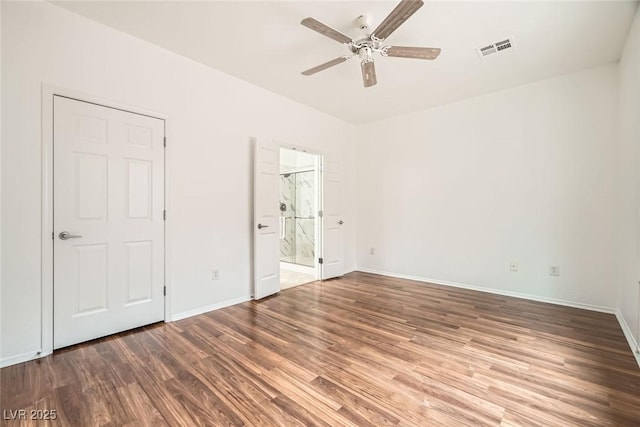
(367, 46)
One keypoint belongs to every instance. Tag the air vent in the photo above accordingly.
(487, 50)
(496, 47)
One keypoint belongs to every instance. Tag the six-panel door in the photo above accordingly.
(109, 198)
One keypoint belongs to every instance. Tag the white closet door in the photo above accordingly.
(108, 221)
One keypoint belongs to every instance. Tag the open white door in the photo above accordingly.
(266, 239)
(332, 246)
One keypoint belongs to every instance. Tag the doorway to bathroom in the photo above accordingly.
(299, 217)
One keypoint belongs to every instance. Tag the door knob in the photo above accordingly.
(341, 222)
(260, 226)
(65, 235)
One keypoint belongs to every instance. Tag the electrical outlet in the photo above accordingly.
(554, 270)
(215, 275)
(513, 266)
(372, 251)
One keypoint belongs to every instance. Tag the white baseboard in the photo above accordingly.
(635, 349)
(20, 358)
(31, 355)
(208, 308)
(556, 301)
(623, 324)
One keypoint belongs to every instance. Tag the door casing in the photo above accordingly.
(48, 92)
(320, 156)
(320, 175)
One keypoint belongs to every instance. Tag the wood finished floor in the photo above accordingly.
(361, 350)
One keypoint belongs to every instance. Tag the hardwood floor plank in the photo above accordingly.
(301, 392)
(235, 391)
(167, 403)
(306, 416)
(137, 405)
(358, 409)
(464, 405)
(362, 350)
(408, 407)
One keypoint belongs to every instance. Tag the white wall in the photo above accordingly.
(629, 180)
(456, 193)
(212, 117)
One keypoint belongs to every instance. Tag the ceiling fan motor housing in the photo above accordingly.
(365, 53)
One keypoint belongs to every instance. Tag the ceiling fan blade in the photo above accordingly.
(411, 52)
(368, 73)
(326, 30)
(401, 13)
(326, 65)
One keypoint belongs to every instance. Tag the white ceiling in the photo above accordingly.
(264, 43)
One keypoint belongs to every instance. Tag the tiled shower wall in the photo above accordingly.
(297, 243)
(287, 218)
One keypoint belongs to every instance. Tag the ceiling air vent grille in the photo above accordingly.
(496, 47)
(487, 50)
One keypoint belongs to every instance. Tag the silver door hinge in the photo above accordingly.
(53, 235)
(320, 214)
(164, 291)
(320, 260)
(165, 141)
(164, 215)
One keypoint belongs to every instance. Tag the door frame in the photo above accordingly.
(46, 307)
(319, 155)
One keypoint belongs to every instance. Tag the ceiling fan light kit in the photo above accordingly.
(367, 46)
